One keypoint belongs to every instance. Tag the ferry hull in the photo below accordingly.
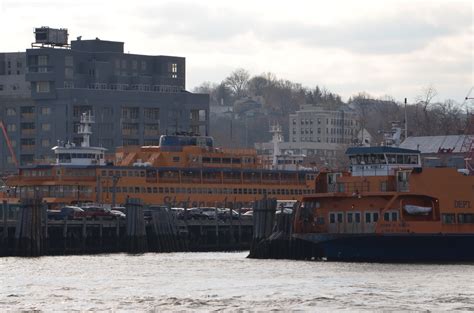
(394, 248)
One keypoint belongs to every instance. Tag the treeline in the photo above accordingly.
(281, 97)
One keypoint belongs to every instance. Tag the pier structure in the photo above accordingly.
(25, 230)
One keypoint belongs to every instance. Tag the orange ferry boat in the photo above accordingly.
(389, 208)
(181, 171)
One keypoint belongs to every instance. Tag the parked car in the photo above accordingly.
(69, 212)
(147, 212)
(118, 214)
(210, 212)
(97, 211)
(225, 214)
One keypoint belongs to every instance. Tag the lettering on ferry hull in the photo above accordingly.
(462, 204)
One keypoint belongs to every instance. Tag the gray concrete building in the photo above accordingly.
(313, 123)
(134, 98)
(321, 134)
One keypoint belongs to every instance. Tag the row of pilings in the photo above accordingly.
(273, 234)
(27, 231)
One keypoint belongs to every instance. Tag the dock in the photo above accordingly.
(27, 231)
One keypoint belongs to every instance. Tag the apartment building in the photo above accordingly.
(134, 98)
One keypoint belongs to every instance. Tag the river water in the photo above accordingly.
(228, 281)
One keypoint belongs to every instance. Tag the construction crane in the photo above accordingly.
(9, 144)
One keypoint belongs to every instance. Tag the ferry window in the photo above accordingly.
(332, 218)
(240, 191)
(142, 173)
(160, 189)
(235, 161)
(375, 217)
(117, 173)
(176, 159)
(339, 217)
(448, 218)
(137, 174)
(148, 189)
(171, 190)
(254, 191)
(104, 173)
(399, 159)
(206, 160)
(349, 217)
(137, 189)
(111, 173)
(155, 190)
(465, 218)
(391, 158)
(124, 173)
(367, 218)
(143, 189)
(394, 216)
(216, 160)
(235, 190)
(386, 216)
(357, 217)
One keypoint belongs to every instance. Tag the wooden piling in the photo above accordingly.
(135, 225)
(5, 221)
(263, 217)
(28, 234)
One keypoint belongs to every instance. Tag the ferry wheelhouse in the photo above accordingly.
(182, 170)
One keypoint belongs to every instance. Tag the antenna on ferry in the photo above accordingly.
(85, 128)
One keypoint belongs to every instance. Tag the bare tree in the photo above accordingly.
(237, 82)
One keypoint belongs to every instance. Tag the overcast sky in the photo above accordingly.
(394, 48)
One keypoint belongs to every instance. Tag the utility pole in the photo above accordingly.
(406, 120)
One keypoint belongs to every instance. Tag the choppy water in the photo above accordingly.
(228, 281)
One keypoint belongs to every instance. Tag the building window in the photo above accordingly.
(11, 112)
(174, 68)
(131, 113)
(42, 87)
(68, 73)
(68, 60)
(42, 60)
(46, 126)
(134, 64)
(124, 63)
(45, 143)
(68, 85)
(152, 113)
(45, 111)
(143, 65)
(11, 127)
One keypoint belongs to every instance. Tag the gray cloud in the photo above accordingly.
(403, 32)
